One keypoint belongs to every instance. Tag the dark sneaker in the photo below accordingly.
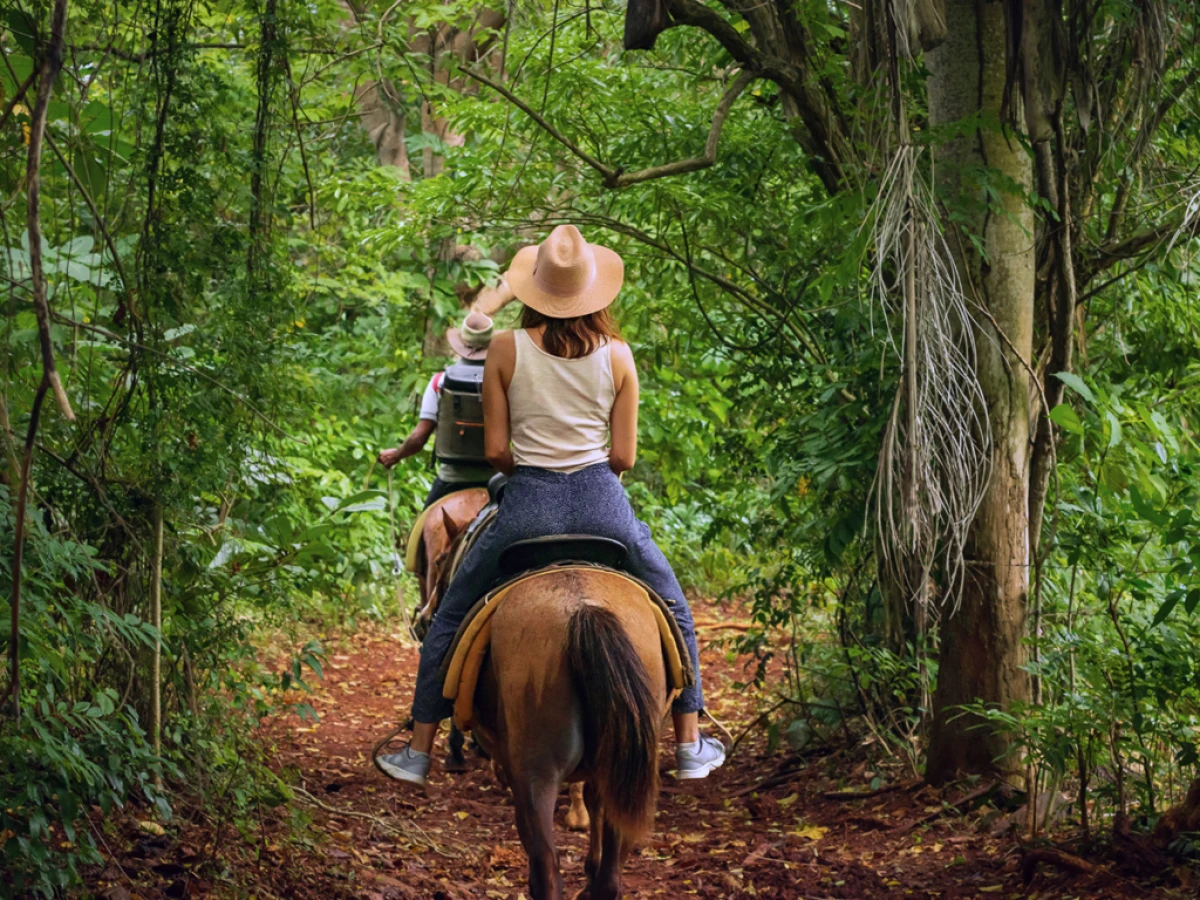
(407, 765)
(699, 758)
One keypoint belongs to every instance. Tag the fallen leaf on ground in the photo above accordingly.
(812, 832)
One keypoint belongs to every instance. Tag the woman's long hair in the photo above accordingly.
(574, 337)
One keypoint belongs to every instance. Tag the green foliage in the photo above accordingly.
(79, 745)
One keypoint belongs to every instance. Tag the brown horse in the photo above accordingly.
(438, 576)
(446, 520)
(574, 689)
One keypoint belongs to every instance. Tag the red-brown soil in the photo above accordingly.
(714, 839)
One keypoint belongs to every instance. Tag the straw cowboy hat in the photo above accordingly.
(564, 276)
(472, 340)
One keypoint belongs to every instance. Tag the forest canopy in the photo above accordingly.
(911, 288)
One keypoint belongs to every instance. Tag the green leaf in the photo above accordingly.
(1144, 510)
(1064, 416)
(1075, 383)
(1192, 601)
(369, 506)
(24, 31)
(1169, 604)
(1114, 428)
(364, 500)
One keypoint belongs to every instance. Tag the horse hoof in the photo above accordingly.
(455, 766)
(578, 823)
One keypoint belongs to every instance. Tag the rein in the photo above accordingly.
(397, 558)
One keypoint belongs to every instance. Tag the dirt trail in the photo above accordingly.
(714, 839)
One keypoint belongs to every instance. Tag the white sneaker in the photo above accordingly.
(408, 765)
(699, 758)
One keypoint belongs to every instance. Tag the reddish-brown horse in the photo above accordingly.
(446, 520)
(574, 689)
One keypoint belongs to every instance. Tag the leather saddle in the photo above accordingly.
(537, 553)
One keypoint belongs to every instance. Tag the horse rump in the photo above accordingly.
(621, 716)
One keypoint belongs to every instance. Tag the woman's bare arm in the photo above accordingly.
(623, 423)
(412, 445)
(497, 375)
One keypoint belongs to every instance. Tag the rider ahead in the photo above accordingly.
(470, 343)
(560, 399)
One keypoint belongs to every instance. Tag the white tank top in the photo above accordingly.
(559, 409)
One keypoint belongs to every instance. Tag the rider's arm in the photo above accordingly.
(419, 436)
(497, 375)
(622, 453)
(416, 440)
(493, 299)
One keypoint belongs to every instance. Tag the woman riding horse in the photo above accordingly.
(560, 401)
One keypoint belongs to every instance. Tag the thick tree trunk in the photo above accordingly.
(981, 649)
(385, 126)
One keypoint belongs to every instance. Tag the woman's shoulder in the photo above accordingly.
(620, 350)
(621, 361)
(506, 338)
(502, 351)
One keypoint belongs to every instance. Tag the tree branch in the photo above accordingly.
(750, 300)
(1112, 253)
(615, 178)
(1141, 143)
(820, 137)
(696, 163)
(17, 97)
(607, 173)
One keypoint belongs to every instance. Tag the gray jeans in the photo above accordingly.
(537, 503)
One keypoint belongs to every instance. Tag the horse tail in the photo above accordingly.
(620, 715)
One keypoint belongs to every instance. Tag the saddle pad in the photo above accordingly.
(465, 660)
(412, 551)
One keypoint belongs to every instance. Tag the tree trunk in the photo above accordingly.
(981, 650)
(386, 128)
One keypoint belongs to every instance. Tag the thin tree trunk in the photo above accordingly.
(156, 616)
(14, 639)
(260, 214)
(50, 66)
(1053, 175)
(981, 647)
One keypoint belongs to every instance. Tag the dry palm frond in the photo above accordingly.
(935, 461)
(1190, 223)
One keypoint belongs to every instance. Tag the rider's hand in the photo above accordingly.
(389, 457)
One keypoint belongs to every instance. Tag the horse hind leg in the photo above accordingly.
(577, 814)
(455, 762)
(595, 813)
(534, 802)
(606, 853)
